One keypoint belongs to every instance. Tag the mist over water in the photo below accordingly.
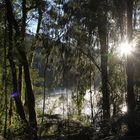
(60, 102)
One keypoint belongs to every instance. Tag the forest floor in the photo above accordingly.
(80, 138)
(74, 137)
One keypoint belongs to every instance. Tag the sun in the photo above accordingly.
(125, 48)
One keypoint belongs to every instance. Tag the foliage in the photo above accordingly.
(64, 48)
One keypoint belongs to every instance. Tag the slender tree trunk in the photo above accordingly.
(5, 80)
(91, 95)
(103, 36)
(29, 91)
(44, 94)
(130, 70)
(20, 80)
(34, 42)
(104, 73)
(91, 106)
(30, 95)
(130, 67)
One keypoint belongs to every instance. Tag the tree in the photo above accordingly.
(130, 70)
(103, 35)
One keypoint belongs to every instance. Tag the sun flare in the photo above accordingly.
(125, 48)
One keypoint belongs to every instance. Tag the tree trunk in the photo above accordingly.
(29, 92)
(5, 79)
(34, 42)
(130, 70)
(20, 80)
(30, 95)
(104, 74)
(103, 36)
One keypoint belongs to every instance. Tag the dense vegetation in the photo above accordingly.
(71, 44)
